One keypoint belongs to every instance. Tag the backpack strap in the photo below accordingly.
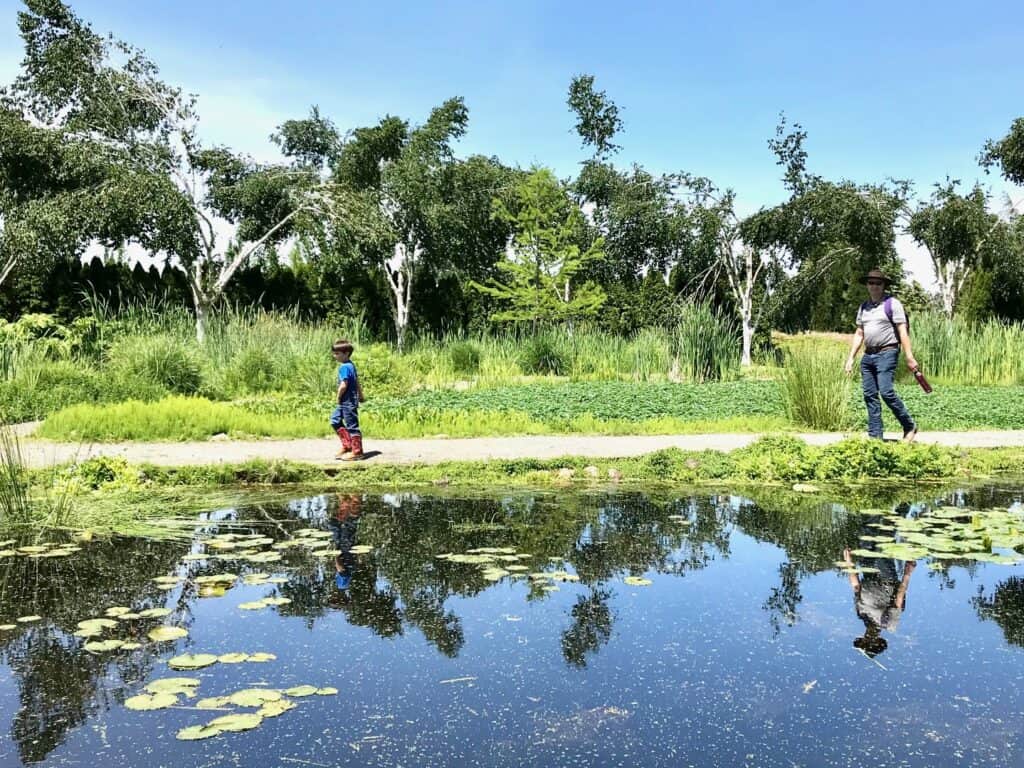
(887, 306)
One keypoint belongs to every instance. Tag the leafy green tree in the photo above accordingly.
(959, 234)
(827, 233)
(205, 211)
(597, 116)
(1007, 153)
(426, 213)
(543, 258)
(751, 269)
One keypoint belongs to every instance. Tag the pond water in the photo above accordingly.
(672, 630)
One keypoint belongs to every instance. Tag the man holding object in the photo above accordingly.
(882, 328)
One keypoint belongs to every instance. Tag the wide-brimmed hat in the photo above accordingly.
(876, 274)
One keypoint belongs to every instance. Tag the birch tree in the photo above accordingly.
(405, 175)
(749, 269)
(956, 230)
(203, 210)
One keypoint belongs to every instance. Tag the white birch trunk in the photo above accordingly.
(399, 270)
(8, 267)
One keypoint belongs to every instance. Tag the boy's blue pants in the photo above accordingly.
(346, 416)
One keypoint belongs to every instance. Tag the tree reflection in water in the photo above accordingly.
(402, 586)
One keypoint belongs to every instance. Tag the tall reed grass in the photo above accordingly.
(954, 351)
(816, 392)
(22, 508)
(705, 344)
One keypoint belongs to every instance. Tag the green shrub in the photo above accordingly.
(815, 389)
(104, 472)
(381, 371)
(162, 360)
(465, 357)
(542, 355)
(253, 371)
(778, 458)
(42, 387)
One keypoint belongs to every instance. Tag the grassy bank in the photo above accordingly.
(279, 360)
(774, 459)
(109, 494)
(610, 408)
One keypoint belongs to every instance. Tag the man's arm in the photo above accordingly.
(858, 339)
(901, 331)
(901, 592)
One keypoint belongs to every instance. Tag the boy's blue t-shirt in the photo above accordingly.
(347, 372)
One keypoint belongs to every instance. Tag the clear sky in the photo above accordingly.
(896, 89)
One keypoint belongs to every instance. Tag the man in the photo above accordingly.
(883, 333)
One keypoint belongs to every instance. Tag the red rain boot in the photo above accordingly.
(346, 445)
(357, 449)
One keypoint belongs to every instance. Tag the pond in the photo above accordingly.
(529, 628)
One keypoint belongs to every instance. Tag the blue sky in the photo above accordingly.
(908, 89)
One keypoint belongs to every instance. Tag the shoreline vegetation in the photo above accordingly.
(109, 494)
(140, 375)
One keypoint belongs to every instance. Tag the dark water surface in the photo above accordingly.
(740, 652)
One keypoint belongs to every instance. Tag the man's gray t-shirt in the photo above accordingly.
(878, 331)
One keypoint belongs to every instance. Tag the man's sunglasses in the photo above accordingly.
(876, 282)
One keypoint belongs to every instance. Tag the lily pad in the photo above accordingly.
(217, 578)
(233, 658)
(99, 646)
(197, 732)
(192, 661)
(130, 646)
(214, 702)
(89, 624)
(275, 708)
(261, 657)
(185, 685)
(301, 690)
(361, 549)
(129, 617)
(326, 691)
(116, 611)
(237, 722)
(145, 702)
(254, 697)
(7, 627)
(28, 619)
(276, 600)
(637, 581)
(155, 613)
(166, 634)
(254, 605)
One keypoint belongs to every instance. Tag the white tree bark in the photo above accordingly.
(742, 265)
(399, 269)
(8, 263)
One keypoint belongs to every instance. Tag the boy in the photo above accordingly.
(345, 417)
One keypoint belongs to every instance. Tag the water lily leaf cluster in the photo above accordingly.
(495, 562)
(37, 551)
(943, 534)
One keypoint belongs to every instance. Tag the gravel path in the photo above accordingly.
(38, 453)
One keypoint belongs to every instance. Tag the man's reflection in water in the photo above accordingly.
(878, 598)
(343, 524)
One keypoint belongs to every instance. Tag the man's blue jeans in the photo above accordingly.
(877, 373)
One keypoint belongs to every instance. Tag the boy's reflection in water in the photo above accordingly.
(878, 598)
(343, 524)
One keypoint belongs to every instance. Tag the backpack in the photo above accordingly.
(887, 308)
